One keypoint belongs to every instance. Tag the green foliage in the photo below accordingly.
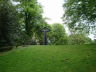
(57, 35)
(9, 26)
(80, 14)
(22, 24)
(30, 13)
(79, 39)
(94, 41)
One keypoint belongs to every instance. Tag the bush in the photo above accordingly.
(79, 39)
(58, 35)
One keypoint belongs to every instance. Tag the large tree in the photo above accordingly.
(9, 26)
(57, 35)
(30, 13)
(80, 15)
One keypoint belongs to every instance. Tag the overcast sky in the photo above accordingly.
(52, 9)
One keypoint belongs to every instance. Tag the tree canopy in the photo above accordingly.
(22, 23)
(57, 35)
(30, 12)
(80, 14)
(9, 25)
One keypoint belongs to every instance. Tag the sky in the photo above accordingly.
(53, 10)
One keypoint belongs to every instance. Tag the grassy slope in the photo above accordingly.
(78, 58)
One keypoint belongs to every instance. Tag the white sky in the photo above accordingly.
(53, 10)
(92, 36)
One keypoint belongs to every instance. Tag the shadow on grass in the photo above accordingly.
(6, 48)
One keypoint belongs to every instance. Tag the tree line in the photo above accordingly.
(21, 22)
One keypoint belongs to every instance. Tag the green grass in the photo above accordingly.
(67, 58)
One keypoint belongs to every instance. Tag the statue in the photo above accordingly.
(45, 30)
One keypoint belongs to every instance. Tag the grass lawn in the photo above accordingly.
(67, 58)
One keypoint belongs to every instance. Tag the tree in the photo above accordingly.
(9, 26)
(57, 35)
(79, 39)
(80, 15)
(30, 12)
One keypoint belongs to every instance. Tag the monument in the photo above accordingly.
(45, 30)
